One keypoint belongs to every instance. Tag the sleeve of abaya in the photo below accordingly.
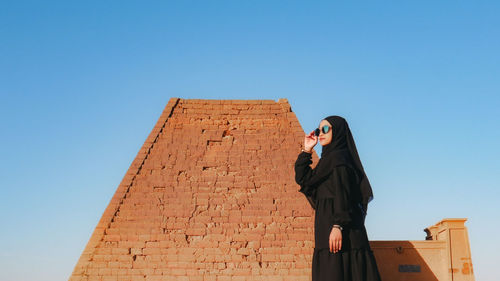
(303, 173)
(343, 183)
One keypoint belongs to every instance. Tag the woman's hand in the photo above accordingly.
(310, 141)
(335, 240)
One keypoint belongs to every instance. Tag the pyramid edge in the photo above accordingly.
(79, 270)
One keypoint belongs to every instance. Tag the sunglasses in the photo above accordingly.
(325, 129)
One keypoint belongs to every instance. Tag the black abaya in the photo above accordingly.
(336, 201)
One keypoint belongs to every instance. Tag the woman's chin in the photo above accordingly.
(323, 143)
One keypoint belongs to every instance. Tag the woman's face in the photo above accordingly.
(325, 139)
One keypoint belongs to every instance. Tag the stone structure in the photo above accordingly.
(444, 255)
(211, 196)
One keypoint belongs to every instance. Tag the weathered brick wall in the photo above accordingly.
(210, 196)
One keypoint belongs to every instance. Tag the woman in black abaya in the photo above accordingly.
(339, 192)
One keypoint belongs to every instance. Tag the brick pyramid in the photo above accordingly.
(210, 196)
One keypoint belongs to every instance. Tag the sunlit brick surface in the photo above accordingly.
(210, 196)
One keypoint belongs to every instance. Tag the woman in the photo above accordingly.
(339, 192)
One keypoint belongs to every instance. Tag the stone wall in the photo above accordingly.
(210, 196)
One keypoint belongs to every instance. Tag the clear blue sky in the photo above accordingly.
(82, 85)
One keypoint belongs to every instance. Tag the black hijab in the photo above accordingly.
(342, 151)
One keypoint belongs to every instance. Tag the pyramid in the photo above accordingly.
(210, 195)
